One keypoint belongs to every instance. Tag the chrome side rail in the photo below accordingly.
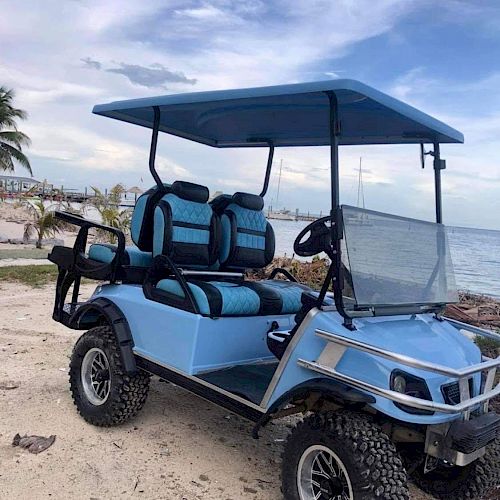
(421, 404)
(459, 325)
(407, 360)
(466, 401)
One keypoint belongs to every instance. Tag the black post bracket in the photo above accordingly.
(154, 142)
(268, 168)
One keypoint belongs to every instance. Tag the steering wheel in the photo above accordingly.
(319, 239)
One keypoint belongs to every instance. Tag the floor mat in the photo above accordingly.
(247, 381)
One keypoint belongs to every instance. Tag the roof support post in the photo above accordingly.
(154, 142)
(438, 166)
(268, 168)
(335, 273)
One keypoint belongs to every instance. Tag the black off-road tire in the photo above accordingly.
(127, 393)
(374, 466)
(474, 481)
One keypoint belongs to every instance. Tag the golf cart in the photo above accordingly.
(387, 386)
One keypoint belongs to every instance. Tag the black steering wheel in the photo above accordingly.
(318, 241)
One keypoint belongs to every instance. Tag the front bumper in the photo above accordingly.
(338, 344)
(462, 441)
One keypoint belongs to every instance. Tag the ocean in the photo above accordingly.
(475, 254)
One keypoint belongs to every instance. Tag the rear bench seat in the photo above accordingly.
(141, 229)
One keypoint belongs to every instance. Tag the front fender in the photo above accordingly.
(325, 388)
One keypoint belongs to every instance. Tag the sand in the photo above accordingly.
(179, 447)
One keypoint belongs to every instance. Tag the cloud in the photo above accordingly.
(91, 63)
(156, 75)
(244, 43)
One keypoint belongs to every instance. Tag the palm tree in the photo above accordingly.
(108, 208)
(43, 223)
(11, 139)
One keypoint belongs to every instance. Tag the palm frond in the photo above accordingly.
(17, 155)
(18, 139)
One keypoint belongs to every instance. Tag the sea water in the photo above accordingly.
(475, 254)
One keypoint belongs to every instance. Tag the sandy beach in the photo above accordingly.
(179, 447)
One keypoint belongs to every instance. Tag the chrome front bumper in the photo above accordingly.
(337, 344)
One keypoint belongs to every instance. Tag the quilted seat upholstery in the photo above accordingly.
(103, 252)
(222, 298)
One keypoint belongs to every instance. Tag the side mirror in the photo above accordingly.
(423, 154)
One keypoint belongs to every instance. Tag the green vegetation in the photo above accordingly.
(35, 276)
(23, 253)
(108, 206)
(44, 222)
(489, 347)
(11, 139)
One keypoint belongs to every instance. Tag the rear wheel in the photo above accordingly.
(103, 393)
(343, 456)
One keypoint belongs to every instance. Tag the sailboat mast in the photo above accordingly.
(279, 182)
(361, 191)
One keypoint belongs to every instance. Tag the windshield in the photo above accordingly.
(396, 261)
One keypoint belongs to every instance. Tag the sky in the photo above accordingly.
(64, 56)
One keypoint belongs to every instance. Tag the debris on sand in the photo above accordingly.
(8, 386)
(34, 444)
(477, 310)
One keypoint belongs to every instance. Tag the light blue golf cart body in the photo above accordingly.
(194, 345)
(373, 338)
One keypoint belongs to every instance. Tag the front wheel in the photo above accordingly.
(475, 480)
(103, 393)
(344, 456)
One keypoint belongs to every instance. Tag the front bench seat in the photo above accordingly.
(221, 298)
(248, 242)
(187, 231)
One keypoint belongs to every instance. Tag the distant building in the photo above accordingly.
(15, 184)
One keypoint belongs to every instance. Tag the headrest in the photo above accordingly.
(191, 192)
(249, 201)
(219, 203)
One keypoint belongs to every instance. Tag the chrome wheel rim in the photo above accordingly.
(96, 376)
(321, 475)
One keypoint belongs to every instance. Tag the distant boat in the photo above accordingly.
(280, 214)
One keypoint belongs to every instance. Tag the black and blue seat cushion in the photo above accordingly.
(248, 242)
(247, 238)
(136, 259)
(186, 228)
(104, 252)
(141, 225)
(290, 293)
(220, 298)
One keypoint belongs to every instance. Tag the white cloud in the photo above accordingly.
(223, 44)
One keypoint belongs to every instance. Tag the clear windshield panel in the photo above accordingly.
(392, 260)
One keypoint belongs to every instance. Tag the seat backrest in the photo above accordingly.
(141, 226)
(186, 228)
(247, 238)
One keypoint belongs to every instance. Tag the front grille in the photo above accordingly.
(451, 392)
(471, 435)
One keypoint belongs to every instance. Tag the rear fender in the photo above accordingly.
(102, 310)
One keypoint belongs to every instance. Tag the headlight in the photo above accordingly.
(410, 385)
